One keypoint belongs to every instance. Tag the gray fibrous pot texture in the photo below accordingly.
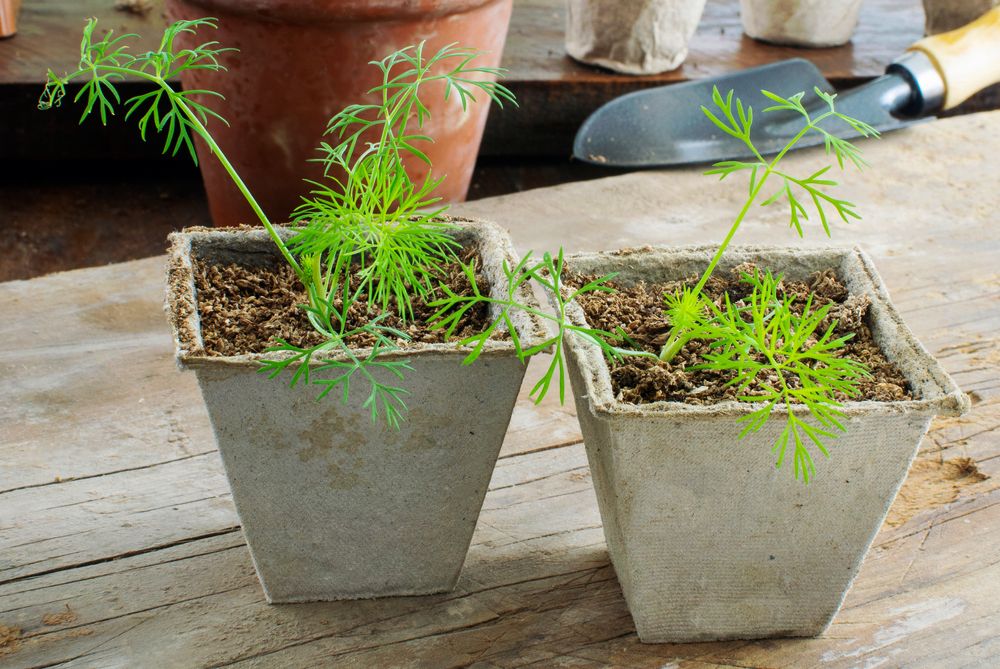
(332, 505)
(808, 23)
(631, 36)
(709, 540)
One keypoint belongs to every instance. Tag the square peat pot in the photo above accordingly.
(334, 506)
(708, 539)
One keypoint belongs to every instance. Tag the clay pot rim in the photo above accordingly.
(335, 11)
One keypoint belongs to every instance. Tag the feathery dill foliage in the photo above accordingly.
(105, 61)
(548, 273)
(369, 220)
(368, 211)
(767, 338)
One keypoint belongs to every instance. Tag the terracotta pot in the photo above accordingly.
(302, 61)
(8, 17)
(808, 23)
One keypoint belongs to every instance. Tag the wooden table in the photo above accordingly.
(119, 545)
(555, 92)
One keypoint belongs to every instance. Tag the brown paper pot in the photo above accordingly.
(302, 61)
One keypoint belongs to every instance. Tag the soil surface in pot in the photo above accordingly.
(639, 311)
(244, 308)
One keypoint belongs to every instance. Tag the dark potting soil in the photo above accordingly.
(244, 309)
(639, 311)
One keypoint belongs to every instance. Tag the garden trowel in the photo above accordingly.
(665, 125)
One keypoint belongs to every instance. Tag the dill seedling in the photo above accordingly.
(768, 339)
(369, 213)
(366, 220)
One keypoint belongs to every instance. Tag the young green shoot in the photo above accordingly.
(768, 339)
(792, 189)
(770, 345)
(368, 217)
(105, 61)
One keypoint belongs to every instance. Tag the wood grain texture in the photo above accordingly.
(138, 538)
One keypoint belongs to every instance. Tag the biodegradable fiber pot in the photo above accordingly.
(809, 23)
(332, 506)
(631, 36)
(302, 61)
(708, 539)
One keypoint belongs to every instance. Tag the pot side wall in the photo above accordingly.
(711, 542)
(335, 507)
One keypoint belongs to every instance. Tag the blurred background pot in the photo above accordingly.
(631, 36)
(8, 17)
(945, 15)
(302, 61)
(809, 23)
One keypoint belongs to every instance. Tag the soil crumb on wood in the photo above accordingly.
(243, 309)
(10, 639)
(61, 618)
(639, 311)
(932, 483)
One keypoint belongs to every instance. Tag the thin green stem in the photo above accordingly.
(677, 339)
(223, 160)
(750, 200)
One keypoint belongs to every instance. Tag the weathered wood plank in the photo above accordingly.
(53, 528)
(504, 552)
(96, 356)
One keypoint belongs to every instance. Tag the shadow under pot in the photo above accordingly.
(334, 506)
(709, 540)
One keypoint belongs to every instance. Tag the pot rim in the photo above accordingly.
(939, 394)
(182, 302)
(333, 11)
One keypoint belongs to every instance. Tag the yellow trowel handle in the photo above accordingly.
(967, 59)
